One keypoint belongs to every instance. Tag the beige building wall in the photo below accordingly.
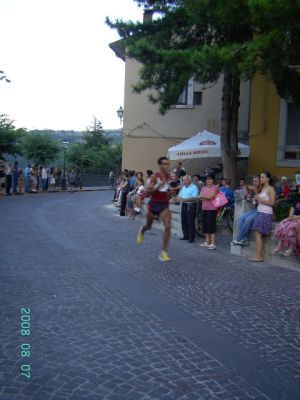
(147, 134)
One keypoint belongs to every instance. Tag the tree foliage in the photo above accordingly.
(96, 154)
(40, 149)
(10, 137)
(206, 38)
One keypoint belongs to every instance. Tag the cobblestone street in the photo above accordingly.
(109, 321)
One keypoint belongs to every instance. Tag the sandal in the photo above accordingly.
(252, 259)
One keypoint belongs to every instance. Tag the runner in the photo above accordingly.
(158, 189)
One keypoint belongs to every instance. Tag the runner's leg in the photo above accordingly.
(165, 216)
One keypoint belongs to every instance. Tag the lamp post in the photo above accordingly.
(120, 113)
(64, 181)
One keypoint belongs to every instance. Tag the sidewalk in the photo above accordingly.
(84, 189)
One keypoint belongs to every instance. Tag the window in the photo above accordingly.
(186, 99)
(289, 135)
(197, 98)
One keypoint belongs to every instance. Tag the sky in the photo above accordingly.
(62, 71)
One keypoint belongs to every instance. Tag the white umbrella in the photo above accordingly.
(203, 145)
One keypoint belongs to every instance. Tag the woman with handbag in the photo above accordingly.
(209, 212)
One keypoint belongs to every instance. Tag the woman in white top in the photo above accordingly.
(262, 224)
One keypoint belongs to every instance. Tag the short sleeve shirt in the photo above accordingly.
(207, 191)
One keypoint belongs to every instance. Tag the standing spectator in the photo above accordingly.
(262, 224)
(2, 176)
(178, 170)
(27, 178)
(247, 218)
(44, 178)
(20, 182)
(111, 179)
(175, 185)
(15, 176)
(8, 179)
(198, 182)
(52, 180)
(229, 193)
(209, 212)
(188, 197)
(72, 179)
(125, 188)
(131, 180)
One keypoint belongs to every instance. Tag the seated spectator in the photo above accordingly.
(149, 173)
(242, 184)
(229, 193)
(246, 219)
(175, 185)
(284, 193)
(179, 170)
(288, 229)
(131, 195)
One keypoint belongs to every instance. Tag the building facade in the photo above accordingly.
(147, 135)
(274, 136)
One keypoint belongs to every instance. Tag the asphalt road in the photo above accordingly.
(109, 321)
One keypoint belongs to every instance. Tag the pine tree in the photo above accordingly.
(207, 38)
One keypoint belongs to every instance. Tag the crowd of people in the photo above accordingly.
(34, 178)
(162, 188)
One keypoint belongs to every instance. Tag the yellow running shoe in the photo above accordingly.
(164, 256)
(140, 236)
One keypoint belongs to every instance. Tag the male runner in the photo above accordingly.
(158, 189)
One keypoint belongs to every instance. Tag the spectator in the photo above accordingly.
(20, 182)
(175, 185)
(8, 179)
(132, 194)
(78, 182)
(44, 178)
(229, 193)
(125, 188)
(242, 184)
(2, 175)
(262, 224)
(178, 170)
(72, 179)
(27, 178)
(149, 173)
(188, 196)
(247, 218)
(285, 192)
(15, 176)
(52, 180)
(111, 179)
(131, 180)
(198, 182)
(209, 212)
(286, 231)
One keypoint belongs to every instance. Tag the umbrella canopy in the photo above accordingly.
(203, 145)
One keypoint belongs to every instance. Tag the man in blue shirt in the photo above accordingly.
(188, 196)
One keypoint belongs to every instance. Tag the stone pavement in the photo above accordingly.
(109, 321)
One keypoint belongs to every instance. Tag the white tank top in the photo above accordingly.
(263, 208)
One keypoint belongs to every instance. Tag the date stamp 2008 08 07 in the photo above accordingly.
(25, 347)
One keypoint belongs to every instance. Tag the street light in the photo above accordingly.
(120, 113)
(64, 181)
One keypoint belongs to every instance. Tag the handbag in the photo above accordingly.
(220, 200)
